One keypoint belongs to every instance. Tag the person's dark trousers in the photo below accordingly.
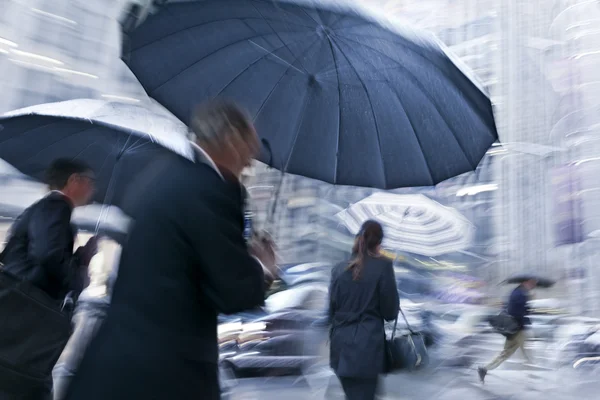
(359, 388)
(209, 381)
(14, 386)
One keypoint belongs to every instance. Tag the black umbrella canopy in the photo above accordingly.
(31, 141)
(339, 96)
(541, 282)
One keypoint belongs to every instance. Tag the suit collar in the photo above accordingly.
(60, 195)
(202, 157)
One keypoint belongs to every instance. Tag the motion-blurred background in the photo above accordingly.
(532, 205)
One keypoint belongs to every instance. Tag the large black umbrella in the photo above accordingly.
(118, 141)
(340, 96)
(541, 282)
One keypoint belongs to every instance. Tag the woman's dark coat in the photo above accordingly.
(357, 310)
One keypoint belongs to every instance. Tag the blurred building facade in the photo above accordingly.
(61, 50)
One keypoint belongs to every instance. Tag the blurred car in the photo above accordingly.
(297, 274)
(466, 334)
(274, 340)
(543, 327)
(576, 341)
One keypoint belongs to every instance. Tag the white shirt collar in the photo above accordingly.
(206, 158)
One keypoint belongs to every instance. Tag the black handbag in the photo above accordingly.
(406, 352)
(34, 330)
(505, 324)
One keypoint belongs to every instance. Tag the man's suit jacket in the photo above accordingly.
(40, 247)
(185, 261)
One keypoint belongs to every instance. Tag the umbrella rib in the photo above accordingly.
(279, 37)
(290, 65)
(412, 127)
(280, 79)
(29, 130)
(57, 142)
(409, 46)
(431, 101)
(249, 39)
(337, 143)
(208, 23)
(364, 86)
(298, 126)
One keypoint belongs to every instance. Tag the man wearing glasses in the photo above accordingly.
(40, 246)
(40, 252)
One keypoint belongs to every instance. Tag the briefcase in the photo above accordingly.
(34, 330)
(504, 324)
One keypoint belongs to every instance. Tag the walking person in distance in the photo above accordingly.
(517, 308)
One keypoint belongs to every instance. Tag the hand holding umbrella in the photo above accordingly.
(263, 248)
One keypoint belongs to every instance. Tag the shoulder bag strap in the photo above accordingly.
(407, 324)
(394, 329)
(396, 324)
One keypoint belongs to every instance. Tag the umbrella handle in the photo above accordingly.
(270, 222)
(108, 197)
(267, 147)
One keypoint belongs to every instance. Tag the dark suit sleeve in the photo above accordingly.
(51, 244)
(231, 277)
(389, 301)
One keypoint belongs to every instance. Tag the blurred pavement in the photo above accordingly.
(514, 381)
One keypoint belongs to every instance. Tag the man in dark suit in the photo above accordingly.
(185, 261)
(40, 251)
(40, 245)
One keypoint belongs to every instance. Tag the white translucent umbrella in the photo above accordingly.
(412, 223)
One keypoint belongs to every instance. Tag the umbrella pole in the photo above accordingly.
(270, 223)
(109, 192)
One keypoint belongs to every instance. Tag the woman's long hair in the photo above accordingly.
(367, 241)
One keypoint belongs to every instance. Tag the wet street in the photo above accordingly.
(441, 384)
(512, 381)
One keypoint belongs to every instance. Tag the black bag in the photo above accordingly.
(505, 324)
(405, 352)
(34, 330)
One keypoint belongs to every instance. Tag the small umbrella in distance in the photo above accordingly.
(117, 140)
(341, 95)
(541, 282)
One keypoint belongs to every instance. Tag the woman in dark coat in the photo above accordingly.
(362, 295)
